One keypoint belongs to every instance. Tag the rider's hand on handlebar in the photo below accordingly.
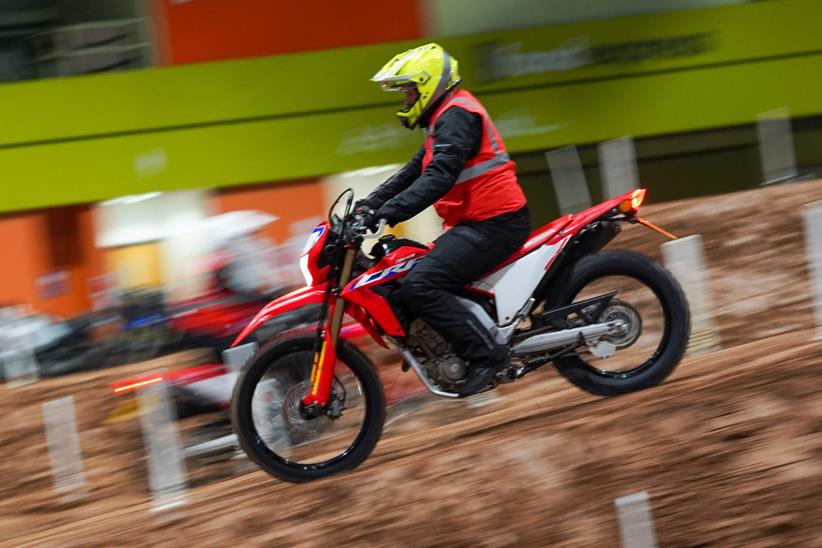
(369, 219)
(361, 208)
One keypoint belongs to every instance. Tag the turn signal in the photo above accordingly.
(631, 205)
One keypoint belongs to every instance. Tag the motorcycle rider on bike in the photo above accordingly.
(464, 170)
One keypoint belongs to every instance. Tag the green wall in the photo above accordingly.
(217, 124)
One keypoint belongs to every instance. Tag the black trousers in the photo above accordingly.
(461, 256)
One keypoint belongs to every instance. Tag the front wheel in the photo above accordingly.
(276, 434)
(651, 305)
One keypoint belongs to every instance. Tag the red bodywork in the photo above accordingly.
(373, 312)
(218, 316)
(181, 376)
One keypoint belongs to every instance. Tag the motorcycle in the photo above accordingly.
(611, 322)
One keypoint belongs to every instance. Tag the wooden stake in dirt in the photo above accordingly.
(685, 259)
(166, 467)
(636, 525)
(64, 448)
(812, 215)
(617, 162)
(569, 180)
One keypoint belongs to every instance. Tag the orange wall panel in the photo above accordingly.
(40, 242)
(17, 275)
(210, 30)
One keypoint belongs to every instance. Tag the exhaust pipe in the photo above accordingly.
(558, 339)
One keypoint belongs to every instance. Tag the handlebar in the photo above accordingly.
(357, 231)
(377, 233)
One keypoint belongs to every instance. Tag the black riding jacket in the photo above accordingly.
(409, 191)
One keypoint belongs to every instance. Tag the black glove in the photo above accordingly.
(370, 219)
(364, 204)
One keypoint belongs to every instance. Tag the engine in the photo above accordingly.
(436, 355)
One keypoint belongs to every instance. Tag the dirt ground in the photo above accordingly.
(729, 448)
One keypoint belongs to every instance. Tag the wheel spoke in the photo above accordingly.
(638, 311)
(286, 431)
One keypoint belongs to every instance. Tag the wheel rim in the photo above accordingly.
(644, 317)
(283, 432)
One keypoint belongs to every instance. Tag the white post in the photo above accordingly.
(776, 151)
(618, 167)
(166, 466)
(236, 357)
(64, 448)
(685, 259)
(636, 524)
(812, 215)
(569, 179)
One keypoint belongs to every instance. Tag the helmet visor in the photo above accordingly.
(396, 83)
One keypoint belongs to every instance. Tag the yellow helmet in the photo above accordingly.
(429, 69)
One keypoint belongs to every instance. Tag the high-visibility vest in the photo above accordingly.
(487, 185)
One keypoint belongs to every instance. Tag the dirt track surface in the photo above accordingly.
(729, 448)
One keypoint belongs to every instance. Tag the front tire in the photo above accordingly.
(674, 334)
(285, 365)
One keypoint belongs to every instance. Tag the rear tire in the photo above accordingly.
(256, 448)
(675, 309)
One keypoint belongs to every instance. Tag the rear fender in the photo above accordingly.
(588, 238)
(288, 302)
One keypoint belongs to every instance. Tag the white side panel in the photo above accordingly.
(513, 285)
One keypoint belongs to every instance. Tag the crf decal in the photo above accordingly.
(390, 271)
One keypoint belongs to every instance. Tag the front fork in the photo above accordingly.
(325, 358)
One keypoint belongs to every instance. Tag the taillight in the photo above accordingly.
(631, 205)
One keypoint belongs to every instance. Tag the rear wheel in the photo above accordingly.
(649, 304)
(278, 436)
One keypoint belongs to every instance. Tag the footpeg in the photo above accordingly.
(507, 375)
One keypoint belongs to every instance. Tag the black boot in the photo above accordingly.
(480, 376)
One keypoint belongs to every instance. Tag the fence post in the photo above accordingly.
(685, 259)
(812, 216)
(63, 444)
(618, 167)
(166, 465)
(636, 524)
(236, 357)
(776, 151)
(569, 179)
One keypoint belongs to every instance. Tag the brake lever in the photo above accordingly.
(377, 233)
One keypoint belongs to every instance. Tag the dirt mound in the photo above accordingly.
(730, 448)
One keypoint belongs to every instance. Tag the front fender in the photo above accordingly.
(286, 303)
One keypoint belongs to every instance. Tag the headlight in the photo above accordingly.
(305, 256)
(312, 239)
(309, 279)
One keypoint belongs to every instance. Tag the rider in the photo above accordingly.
(465, 172)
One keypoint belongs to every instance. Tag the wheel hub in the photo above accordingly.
(296, 416)
(627, 321)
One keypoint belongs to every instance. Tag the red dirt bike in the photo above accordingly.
(612, 322)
